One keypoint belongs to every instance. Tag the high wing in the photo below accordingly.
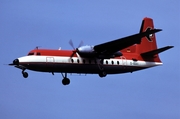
(119, 44)
(112, 49)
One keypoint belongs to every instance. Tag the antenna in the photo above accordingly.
(37, 47)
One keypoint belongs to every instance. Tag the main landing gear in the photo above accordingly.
(102, 72)
(65, 80)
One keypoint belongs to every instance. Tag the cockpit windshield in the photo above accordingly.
(31, 53)
(34, 53)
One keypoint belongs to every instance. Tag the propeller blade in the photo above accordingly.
(74, 52)
(80, 44)
(71, 43)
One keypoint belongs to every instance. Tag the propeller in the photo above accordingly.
(75, 49)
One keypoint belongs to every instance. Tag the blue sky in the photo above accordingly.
(151, 93)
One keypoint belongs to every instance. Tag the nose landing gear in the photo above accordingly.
(25, 74)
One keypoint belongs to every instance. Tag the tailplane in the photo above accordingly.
(152, 53)
(148, 46)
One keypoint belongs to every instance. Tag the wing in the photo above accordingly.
(119, 44)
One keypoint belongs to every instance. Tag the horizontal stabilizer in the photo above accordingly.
(154, 52)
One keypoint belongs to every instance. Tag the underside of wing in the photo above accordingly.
(119, 44)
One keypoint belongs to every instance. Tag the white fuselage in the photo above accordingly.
(83, 65)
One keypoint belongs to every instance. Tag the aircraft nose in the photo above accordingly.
(16, 62)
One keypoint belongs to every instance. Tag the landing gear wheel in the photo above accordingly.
(65, 81)
(102, 74)
(25, 74)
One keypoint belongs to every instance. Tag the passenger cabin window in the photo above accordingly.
(72, 60)
(77, 60)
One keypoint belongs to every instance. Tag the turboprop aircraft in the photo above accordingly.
(127, 54)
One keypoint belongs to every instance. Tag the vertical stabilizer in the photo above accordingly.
(148, 43)
(147, 47)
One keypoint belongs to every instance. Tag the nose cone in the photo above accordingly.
(16, 62)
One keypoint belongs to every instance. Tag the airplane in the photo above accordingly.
(128, 54)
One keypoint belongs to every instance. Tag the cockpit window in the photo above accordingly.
(31, 53)
(38, 53)
(34, 53)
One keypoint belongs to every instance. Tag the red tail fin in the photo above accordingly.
(147, 48)
(147, 43)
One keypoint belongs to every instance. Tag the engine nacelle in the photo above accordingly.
(86, 51)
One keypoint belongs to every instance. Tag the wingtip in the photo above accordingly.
(170, 46)
(157, 30)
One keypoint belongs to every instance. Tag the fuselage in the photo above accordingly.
(61, 61)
